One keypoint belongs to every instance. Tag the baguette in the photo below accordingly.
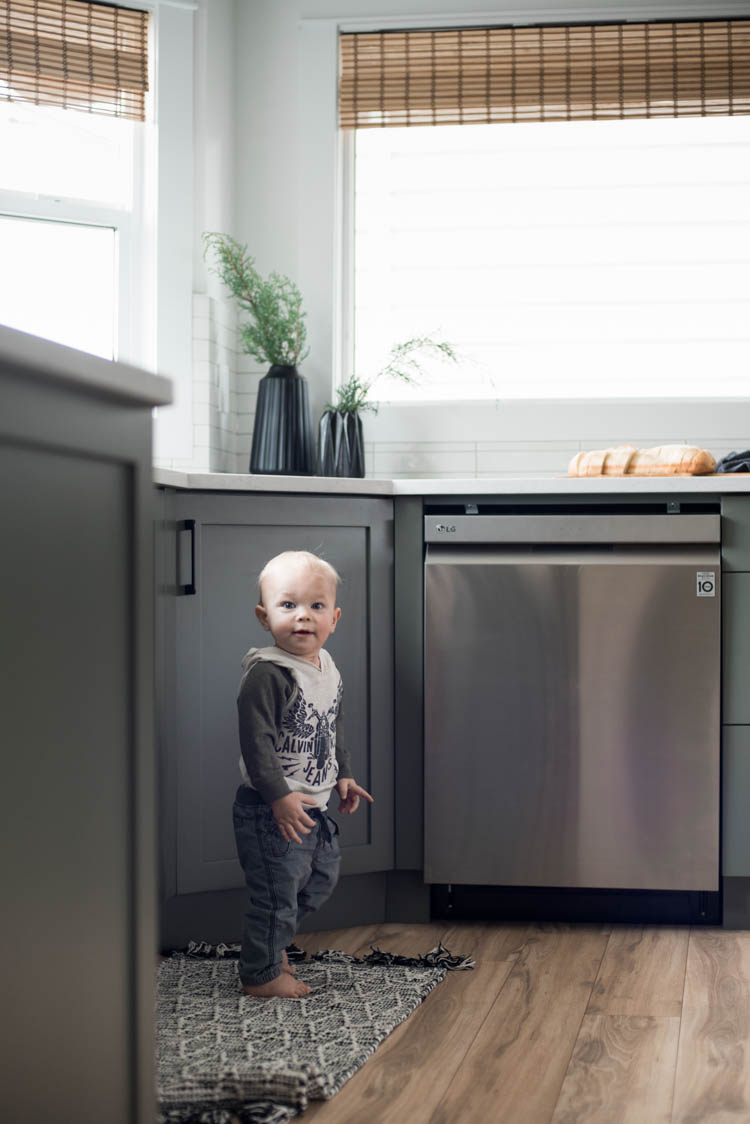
(626, 460)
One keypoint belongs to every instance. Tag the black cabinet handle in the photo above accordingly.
(189, 525)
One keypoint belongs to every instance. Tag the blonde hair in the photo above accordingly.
(306, 557)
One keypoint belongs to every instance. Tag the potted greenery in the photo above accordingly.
(340, 445)
(274, 333)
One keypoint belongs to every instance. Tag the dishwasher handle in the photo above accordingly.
(572, 530)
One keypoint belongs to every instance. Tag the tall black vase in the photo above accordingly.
(341, 450)
(282, 434)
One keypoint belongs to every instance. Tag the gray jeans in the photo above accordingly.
(285, 881)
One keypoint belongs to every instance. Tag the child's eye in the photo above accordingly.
(287, 604)
(317, 605)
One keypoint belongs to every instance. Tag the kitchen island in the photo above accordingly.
(77, 697)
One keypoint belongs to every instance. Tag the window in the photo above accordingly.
(75, 198)
(568, 259)
(563, 256)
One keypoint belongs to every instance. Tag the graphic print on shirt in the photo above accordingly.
(308, 739)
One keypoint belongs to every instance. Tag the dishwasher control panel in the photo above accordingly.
(573, 529)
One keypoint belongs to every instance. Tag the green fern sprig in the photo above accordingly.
(404, 362)
(276, 332)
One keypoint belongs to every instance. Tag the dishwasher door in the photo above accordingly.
(572, 716)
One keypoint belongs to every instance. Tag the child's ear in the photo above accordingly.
(336, 616)
(262, 616)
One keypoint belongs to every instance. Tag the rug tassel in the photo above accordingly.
(438, 957)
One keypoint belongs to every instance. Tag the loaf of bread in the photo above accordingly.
(626, 460)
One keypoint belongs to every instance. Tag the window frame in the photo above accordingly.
(156, 248)
(135, 326)
(326, 249)
(135, 331)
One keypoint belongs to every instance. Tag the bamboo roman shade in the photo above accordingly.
(577, 72)
(90, 57)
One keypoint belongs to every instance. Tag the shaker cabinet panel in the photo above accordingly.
(735, 787)
(222, 542)
(735, 533)
(736, 648)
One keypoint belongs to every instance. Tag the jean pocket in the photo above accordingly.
(273, 840)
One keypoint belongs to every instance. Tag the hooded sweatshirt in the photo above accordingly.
(290, 725)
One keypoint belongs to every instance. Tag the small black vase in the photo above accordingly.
(282, 433)
(341, 450)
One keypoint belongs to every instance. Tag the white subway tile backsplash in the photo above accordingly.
(493, 446)
(421, 462)
(222, 417)
(245, 363)
(202, 351)
(425, 446)
(521, 461)
(433, 475)
(243, 403)
(202, 415)
(514, 474)
(201, 328)
(201, 392)
(247, 382)
(202, 436)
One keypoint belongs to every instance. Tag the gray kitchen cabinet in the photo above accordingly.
(213, 546)
(77, 699)
(735, 562)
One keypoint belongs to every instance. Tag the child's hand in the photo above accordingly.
(350, 792)
(291, 817)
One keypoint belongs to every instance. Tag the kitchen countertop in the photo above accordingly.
(716, 484)
(65, 366)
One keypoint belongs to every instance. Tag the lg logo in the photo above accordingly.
(705, 583)
(443, 528)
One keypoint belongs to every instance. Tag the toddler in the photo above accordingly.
(293, 756)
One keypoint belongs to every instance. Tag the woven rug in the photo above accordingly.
(222, 1054)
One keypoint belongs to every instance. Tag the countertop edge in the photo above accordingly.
(715, 484)
(53, 362)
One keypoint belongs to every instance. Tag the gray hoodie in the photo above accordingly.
(290, 725)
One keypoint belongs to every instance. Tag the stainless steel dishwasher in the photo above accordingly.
(572, 701)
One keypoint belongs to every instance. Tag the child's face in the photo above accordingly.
(299, 608)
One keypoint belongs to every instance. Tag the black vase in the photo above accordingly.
(282, 433)
(341, 450)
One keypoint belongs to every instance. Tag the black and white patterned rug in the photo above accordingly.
(224, 1055)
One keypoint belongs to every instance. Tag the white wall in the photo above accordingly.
(271, 65)
(221, 409)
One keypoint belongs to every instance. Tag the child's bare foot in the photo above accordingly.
(286, 966)
(285, 986)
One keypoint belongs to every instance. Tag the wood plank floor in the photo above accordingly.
(560, 1024)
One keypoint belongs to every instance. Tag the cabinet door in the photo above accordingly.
(233, 538)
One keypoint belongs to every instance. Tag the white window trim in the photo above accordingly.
(172, 275)
(326, 248)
